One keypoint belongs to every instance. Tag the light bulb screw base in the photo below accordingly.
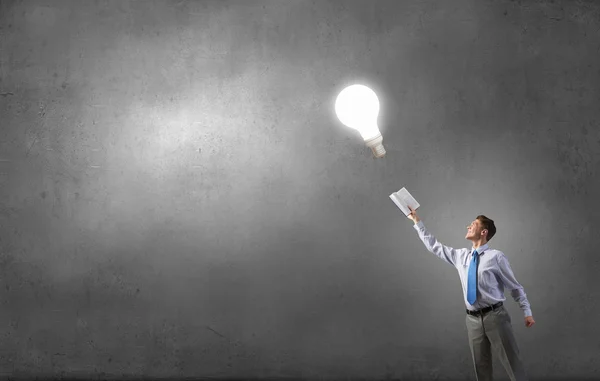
(375, 143)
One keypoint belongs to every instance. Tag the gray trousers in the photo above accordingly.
(493, 331)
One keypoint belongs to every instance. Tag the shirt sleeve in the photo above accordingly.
(444, 252)
(510, 282)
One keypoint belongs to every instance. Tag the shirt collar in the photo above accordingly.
(480, 249)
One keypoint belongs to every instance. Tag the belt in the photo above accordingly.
(484, 310)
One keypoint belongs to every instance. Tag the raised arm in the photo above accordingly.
(442, 251)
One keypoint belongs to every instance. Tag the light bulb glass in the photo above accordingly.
(357, 107)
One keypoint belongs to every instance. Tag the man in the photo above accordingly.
(484, 274)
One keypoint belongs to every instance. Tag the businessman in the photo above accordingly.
(484, 273)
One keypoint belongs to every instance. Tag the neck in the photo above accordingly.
(477, 244)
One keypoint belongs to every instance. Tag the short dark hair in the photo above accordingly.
(488, 224)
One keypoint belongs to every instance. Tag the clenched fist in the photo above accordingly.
(529, 321)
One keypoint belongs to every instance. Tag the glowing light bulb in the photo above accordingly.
(357, 107)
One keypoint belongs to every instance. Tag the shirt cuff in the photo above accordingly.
(419, 225)
(527, 312)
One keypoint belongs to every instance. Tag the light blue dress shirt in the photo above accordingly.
(493, 274)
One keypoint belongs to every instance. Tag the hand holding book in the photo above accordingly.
(413, 215)
(406, 203)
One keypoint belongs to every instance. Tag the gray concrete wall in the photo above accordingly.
(178, 198)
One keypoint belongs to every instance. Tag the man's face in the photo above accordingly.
(474, 230)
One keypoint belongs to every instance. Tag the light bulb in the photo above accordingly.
(357, 107)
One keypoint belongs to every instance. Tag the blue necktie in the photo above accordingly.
(472, 279)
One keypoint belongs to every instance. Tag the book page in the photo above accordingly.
(408, 199)
(400, 203)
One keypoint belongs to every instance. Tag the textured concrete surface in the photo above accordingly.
(177, 197)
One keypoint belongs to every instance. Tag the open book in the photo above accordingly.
(403, 200)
